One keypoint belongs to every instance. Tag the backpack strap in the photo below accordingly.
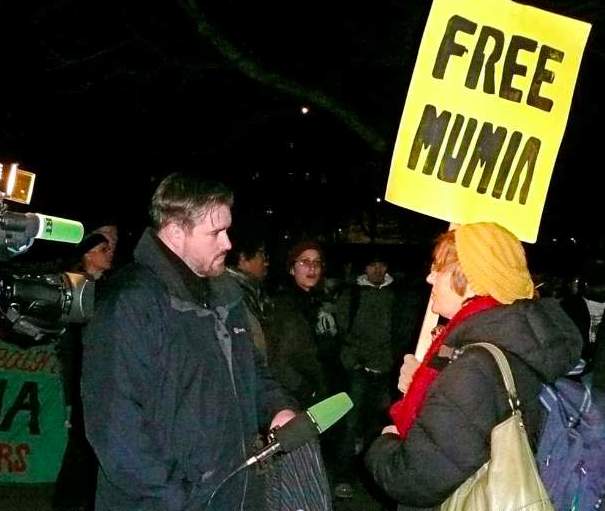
(504, 367)
(575, 396)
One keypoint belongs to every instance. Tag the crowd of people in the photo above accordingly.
(189, 362)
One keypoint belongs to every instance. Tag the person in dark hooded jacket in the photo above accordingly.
(443, 424)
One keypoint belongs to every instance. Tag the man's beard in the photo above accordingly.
(214, 269)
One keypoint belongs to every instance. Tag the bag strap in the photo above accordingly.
(504, 367)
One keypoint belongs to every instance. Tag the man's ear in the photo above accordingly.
(172, 234)
(292, 270)
(173, 231)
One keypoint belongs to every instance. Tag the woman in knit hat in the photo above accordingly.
(294, 353)
(442, 426)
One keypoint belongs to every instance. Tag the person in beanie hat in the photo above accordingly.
(293, 348)
(76, 481)
(441, 434)
(365, 318)
(94, 255)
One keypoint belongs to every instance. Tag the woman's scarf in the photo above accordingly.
(405, 411)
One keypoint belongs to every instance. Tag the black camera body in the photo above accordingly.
(39, 306)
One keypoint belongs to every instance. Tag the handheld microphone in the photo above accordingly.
(305, 427)
(36, 225)
(302, 429)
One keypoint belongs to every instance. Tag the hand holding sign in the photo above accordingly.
(406, 373)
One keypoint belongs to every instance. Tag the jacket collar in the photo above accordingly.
(181, 282)
(246, 281)
(362, 280)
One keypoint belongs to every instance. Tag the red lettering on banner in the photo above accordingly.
(6, 451)
(21, 451)
(28, 361)
(13, 458)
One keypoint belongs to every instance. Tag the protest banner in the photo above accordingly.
(485, 114)
(33, 432)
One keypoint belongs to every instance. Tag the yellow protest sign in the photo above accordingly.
(485, 113)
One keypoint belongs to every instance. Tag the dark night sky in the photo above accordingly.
(101, 99)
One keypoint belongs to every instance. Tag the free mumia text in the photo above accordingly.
(490, 48)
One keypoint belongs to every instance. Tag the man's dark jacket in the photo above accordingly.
(170, 409)
(450, 439)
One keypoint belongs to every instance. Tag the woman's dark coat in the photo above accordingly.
(450, 440)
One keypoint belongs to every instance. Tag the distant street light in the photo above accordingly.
(304, 110)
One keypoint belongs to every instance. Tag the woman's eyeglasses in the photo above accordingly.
(309, 264)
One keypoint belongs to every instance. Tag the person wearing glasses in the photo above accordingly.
(293, 350)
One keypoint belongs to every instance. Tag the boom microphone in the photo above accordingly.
(36, 225)
(305, 427)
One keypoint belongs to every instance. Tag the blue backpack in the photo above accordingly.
(571, 450)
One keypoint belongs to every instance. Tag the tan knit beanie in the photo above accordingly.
(493, 261)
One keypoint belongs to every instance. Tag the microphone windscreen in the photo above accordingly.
(59, 229)
(327, 412)
(296, 433)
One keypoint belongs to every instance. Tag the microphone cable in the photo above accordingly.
(244, 465)
(271, 440)
(220, 485)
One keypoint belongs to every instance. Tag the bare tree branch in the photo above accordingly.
(256, 72)
(82, 60)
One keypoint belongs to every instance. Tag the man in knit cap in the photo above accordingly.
(94, 255)
(364, 315)
(75, 485)
(442, 426)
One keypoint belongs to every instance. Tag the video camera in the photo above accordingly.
(36, 302)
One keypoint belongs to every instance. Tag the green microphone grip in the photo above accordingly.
(58, 229)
